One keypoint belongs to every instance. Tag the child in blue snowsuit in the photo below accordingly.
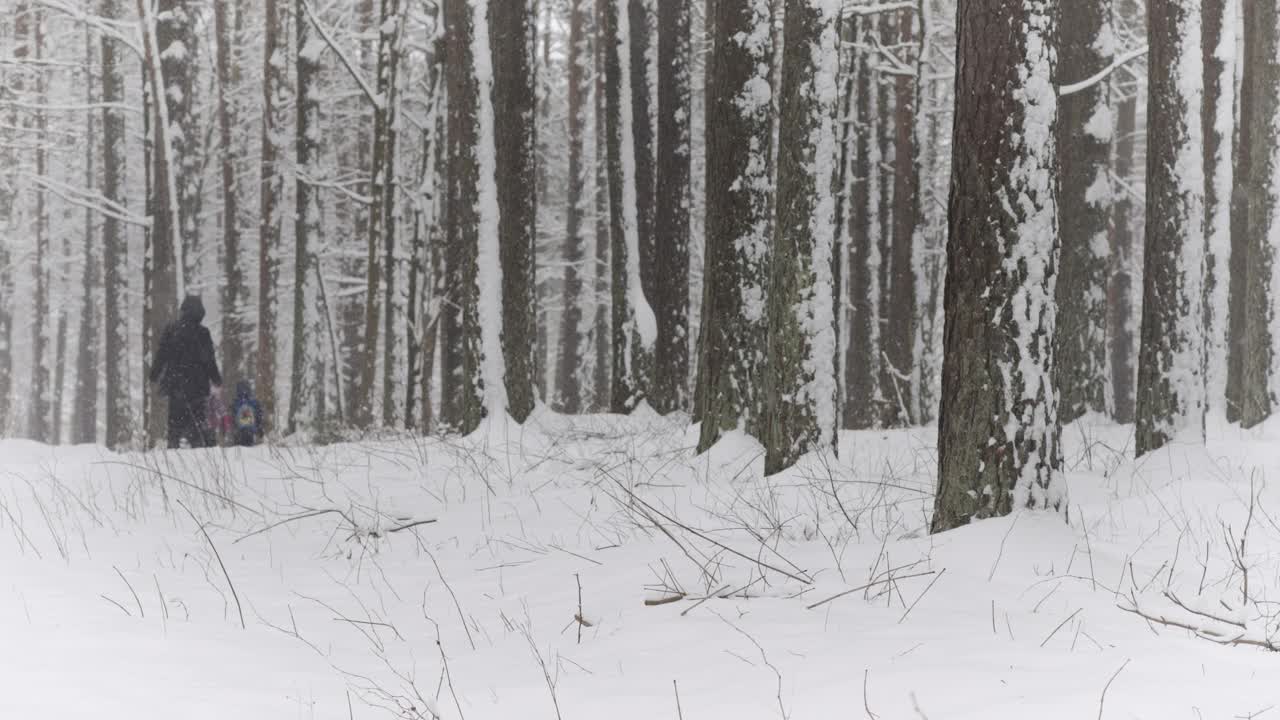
(246, 417)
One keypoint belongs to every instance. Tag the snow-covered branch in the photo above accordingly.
(1065, 90)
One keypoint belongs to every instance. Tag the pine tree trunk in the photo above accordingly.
(1084, 141)
(1238, 308)
(1171, 382)
(7, 196)
(997, 429)
(511, 25)
(670, 390)
(1218, 120)
(40, 410)
(1260, 374)
(641, 24)
(235, 291)
(1123, 264)
(862, 348)
(900, 307)
(602, 328)
(801, 405)
(177, 38)
(738, 223)
(115, 248)
(570, 358)
(304, 392)
(631, 338)
(84, 415)
(387, 221)
(271, 206)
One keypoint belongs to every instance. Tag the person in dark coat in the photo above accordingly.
(246, 416)
(186, 370)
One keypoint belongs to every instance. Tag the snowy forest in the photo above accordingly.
(757, 291)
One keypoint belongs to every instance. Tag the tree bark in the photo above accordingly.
(1218, 120)
(631, 349)
(235, 291)
(670, 390)
(305, 390)
(997, 429)
(738, 221)
(511, 24)
(271, 206)
(115, 247)
(602, 328)
(900, 306)
(40, 421)
(1086, 46)
(801, 404)
(1260, 375)
(1171, 382)
(1120, 305)
(569, 359)
(1238, 309)
(862, 348)
(385, 180)
(642, 82)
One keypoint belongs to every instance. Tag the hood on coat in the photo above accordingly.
(192, 309)
(243, 391)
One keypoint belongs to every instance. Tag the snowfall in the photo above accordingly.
(588, 567)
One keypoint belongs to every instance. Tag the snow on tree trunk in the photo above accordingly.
(491, 378)
(115, 248)
(1218, 119)
(85, 412)
(40, 410)
(633, 325)
(602, 332)
(801, 404)
(271, 205)
(235, 291)
(511, 24)
(997, 430)
(304, 396)
(570, 358)
(390, 38)
(900, 306)
(862, 347)
(739, 220)
(1171, 382)
(1087, 45)
(1262, 340)
(670, 392)
(1237, 308)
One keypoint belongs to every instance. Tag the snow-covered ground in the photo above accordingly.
(294, 583)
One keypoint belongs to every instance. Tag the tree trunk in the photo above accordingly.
(801, 404)
(602, 329)
(1084, 141)
(304, 397)
(642, 81)
(235, 291)
(1171, 383)
(1263, 296)
(511, 25)
(1218, 46)
(271, 217)
(900, 307)
(739, 221)
(8, 195)
(1238, 309)
(40, 410)
(862, 347)
(115, 247)
(632, 319)
(569, 359)
(670, 390)
(387, 222)
(997, 429)
(1120, 303)
(84, 427)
